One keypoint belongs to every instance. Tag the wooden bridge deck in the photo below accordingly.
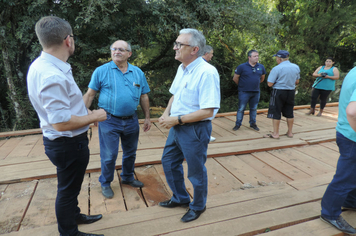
(256, 185)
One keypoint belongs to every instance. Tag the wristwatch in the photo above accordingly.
(180, 120)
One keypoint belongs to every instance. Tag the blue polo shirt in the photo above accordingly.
(119, 92)
(347, 95)
(250, 77)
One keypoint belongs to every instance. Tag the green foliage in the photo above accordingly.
(309, 29)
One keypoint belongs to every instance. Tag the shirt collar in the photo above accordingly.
(114, 66)
(63, 66)
(193, 64)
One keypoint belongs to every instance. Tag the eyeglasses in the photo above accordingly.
(70, 35)
(119, 49)
(253, 69)
(179, 45)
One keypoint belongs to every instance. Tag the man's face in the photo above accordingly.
(184, 53)
(118, 56)
(208, 56)
(253, 59)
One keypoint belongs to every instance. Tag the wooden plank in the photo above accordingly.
(7, 147)
(241, 170)
(84, 196)
(38, 150)
(160, 172)
(219, 179)
(225, 213)
(41, 211)
(305, 163)
(282, 166)
(309, 228)
(331, 145)
(154, 190)
(268, 171)
(2, 142)
(13, 205)
(322, 154)
(24, 147)
(3, 187)
(20, 132)
(256, 224)
(132, 196)
(101, 205)
(312, 182)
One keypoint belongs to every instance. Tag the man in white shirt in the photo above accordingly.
(64, 119)
(195, 102)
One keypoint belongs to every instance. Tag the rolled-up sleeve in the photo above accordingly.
(55, 100)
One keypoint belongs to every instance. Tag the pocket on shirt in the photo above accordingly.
(190, 96)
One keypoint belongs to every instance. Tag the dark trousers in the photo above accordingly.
(323, 94)
(342, 189)
(71, 157)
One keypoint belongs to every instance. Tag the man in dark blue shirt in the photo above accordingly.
(248, 77)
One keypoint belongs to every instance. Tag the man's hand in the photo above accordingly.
(168, 121)
(147, 125)
(100, 114)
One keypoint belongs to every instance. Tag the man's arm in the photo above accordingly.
(145, 105)
(351, 115)
(262, 78)
(270, 84)
(77, 122)
(297, 82)
(170, 121)
(88, 97)
(236, 79)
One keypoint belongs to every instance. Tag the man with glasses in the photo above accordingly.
(64, 119)
(194, 103)
(122, 88)
(248, 77)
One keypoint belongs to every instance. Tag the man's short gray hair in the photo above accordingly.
(128, 44)
(197, 39)
(52, 30)
(207, 49)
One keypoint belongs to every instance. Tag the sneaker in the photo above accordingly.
(236, 127)
(212, 139)
(254, 126)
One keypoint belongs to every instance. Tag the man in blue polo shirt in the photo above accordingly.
(248, 77)
(341, 192)
(283, 78)
(122, 87)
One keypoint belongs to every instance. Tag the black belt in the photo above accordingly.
(122, 117)
(80, 136)
(195, 123)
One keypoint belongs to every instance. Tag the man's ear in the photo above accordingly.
(195, 50)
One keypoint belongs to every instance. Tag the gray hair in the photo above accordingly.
(52, 30)
(207, 49)
(197, 39)
(128, 44)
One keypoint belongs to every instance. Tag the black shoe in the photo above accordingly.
(85, 219)
(192, 215)
(254, 126)
(340, 224)
(134, 183)
(170, 204)
(86, 234)
(236, 127)
(107, 192)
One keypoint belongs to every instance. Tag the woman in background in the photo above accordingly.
(323, 85)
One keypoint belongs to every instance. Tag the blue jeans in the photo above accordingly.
(188, 141)
(247, 97)
(342, 189)
(71, 157)
(110, 132)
